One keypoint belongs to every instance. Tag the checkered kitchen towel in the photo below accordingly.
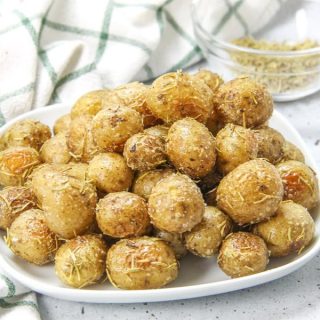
(56, 50)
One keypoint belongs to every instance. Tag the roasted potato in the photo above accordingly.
(212, 80)
(291, 152)
(62, 124)
(160, 130)
(148, 263)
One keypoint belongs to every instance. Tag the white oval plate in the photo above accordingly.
(198, 277)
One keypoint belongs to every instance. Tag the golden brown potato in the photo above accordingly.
(235, 145)
(242, 254)
(123, 214)
(14, 201)
(206, 237)
(110, 173)
(251, 192)
(160, 130)
(291, 152)
(145, 181)
(290, 230)
(300, 183)
(81, 261)
(27, 133)
(30, 238)
(176, 204)
(270, 144)
(213, 123)
(113, 126)
(212, 80)
(243, 102)
(68, 199)
(55, 150)
(147, 263)
(2, 143)
(177, 95)
(62, 124)
(144, 151)
(191, 148)
(16, 164)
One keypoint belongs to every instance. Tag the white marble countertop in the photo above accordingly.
(294, 297)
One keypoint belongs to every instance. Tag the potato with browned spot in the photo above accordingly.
(161, 130)
(62, 124)
(291, 152)
(211, 79)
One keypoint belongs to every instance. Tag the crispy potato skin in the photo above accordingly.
(300, 183)
(290, 230)
(206, 237)
(147, 262)
(212, 80)
(123, 214)
(176, 204)
(62, 124)
(191, 148)
(177, 95)
(291, 152)
(81, 261)
(251, 192)
(30, 238)
(235, 145)
(243, 102)
(16, 164)
(14, 201)
(160, 130)
(242, 254)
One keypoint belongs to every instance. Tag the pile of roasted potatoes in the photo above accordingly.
(136, 177)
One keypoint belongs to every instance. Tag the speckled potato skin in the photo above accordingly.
(206, 237)
(251, 192)
(27, 133)
(300, 183)
(191, 148)
(90, 103)
(110, 172)
(290, 230)
(68, 198)
(160, 130)
(81, 261)
(291, 152)
(175, 240)
(144, 151)
(243, 102)
(55, 150)
(176, 204)
(16, 164)
(177, 95)
(243, 254)
(14, 201)
(145, 181)
(235, 145)
(123, 214)
(30, 238)
(211, 79)
(146, 262)
(80, 141)
(62, 124)
(114, 125)
(270, 144)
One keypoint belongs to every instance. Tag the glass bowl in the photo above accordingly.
(277, 42)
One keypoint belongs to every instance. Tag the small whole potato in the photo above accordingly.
(14, 201)
(177, 95)
(27, 133)
(212, 80)
(114, 125)
(191, 148)
(16, 164)
(160, 130)
(55, 150)
(30, 238)
(144, 151)
(146, 262)
(145, 181)
(243, 102)
(62, 124)
(123, 214)
(206, 237)
(251, 192)
(243, 254)
(81, 261)
(176, 204)
(110, 172)
(291, 152)
(270, 144)
(290, 230)
(235, 145)
(300, 183)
